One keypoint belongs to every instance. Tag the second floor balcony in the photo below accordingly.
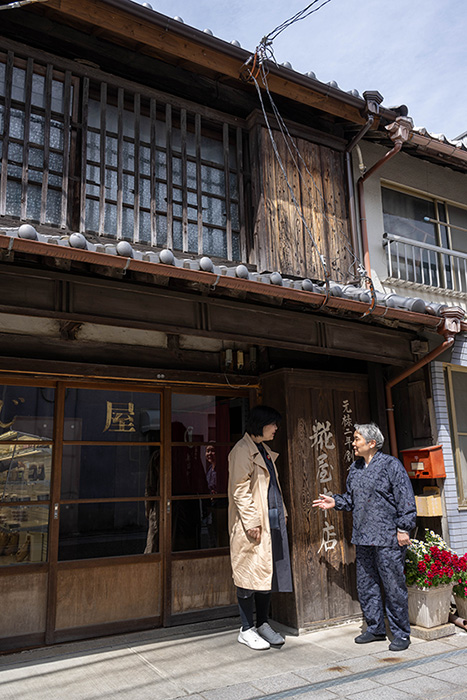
(423, 264)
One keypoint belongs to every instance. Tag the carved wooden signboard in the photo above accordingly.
(315, 445)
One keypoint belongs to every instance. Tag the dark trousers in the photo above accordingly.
(247, 601)
(378, 569)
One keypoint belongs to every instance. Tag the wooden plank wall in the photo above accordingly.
(316, 181)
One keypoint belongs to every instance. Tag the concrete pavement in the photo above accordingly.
(205, 662)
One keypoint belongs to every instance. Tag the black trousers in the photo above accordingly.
(247, 600)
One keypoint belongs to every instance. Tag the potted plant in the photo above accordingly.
(429, 573)
(460, 585)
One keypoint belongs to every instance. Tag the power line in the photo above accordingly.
(258, 63)
(302, 14)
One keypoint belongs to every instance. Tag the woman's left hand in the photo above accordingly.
(403, 539)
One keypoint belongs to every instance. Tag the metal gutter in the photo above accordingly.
(432, 145)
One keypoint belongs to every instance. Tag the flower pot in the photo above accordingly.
(461, 605)
(429, 607)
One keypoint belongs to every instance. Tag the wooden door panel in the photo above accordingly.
(203, 583)
(24, 597)
(95, 595)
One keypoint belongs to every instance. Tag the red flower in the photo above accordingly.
(421, 566)
(427, 557)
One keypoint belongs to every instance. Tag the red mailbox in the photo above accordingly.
(424, 462)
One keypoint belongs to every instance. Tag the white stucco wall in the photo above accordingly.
(418, 174)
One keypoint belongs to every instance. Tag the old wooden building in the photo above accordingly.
(174, 249)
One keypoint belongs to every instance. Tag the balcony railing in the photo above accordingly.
(425, 264)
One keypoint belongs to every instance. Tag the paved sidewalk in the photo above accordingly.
(205, 662)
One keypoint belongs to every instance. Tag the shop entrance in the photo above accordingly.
(113, 511)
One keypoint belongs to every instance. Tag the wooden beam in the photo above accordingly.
(121, 26)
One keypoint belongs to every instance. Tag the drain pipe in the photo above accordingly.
(350, 183)
(451, 326)
(373, 100)
(399, 132)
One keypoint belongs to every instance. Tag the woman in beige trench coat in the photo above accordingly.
(259, 549)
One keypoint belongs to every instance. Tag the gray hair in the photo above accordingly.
(370, 431)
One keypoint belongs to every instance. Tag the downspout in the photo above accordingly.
(350, 184)
(373, 100)
(399, 132)
(451, 326)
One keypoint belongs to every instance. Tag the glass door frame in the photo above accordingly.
(165, 555)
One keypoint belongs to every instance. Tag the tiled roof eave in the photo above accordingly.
(315, 301)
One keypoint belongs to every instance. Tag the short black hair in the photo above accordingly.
(259, 417)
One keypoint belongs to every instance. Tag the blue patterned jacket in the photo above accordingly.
(381, 498)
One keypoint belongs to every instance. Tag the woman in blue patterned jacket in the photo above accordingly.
(380, 495)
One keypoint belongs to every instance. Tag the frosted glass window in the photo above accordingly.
(38, 90)
(214, 211)
(144, 227)
(110, 221)
(13, 198)
(215, 241)
(57, 96)
(128, 156)
(92, 215)
(17, 88)
(36, 129)
(212, 180)
(128, 189)
(128, 222)
(177, 235)
(34, 202)
(54, 205)
(193, 238)
(16, 124)
(111, 184)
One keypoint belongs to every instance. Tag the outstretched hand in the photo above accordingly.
(324, 502)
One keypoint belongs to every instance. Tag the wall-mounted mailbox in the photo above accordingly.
(424, 462)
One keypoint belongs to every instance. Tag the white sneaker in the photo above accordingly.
(274, 638)
(252, 639)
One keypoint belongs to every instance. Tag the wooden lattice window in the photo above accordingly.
(116, 159)
(37, 105)
(159, 174)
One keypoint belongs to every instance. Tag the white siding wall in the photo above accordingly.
(457, 519)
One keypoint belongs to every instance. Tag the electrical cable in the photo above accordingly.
(294, 199)
(288, 139)
(302, 14)
(264, 52)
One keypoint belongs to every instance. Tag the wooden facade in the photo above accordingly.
(107, 520)
(301, 222)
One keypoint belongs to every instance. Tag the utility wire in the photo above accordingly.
(289, 140)
(292, 194)
(303, 14)
(258, 62)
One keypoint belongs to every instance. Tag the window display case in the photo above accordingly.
(25, 469)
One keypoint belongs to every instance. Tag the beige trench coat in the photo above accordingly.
(252, 564)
